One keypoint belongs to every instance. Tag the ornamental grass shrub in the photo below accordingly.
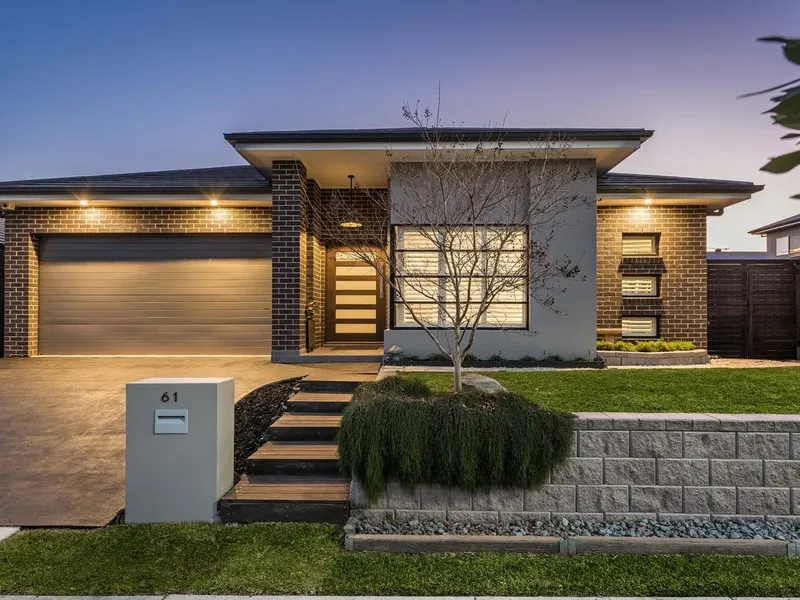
(398, 430)
(646, 346)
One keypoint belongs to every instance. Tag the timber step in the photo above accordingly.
(318, 402)
(311, 427)
(346, 385)
(257, 498)
(294, 458)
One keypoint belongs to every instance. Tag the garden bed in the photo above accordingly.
(616, 358)
(499, 363)
(253, 414)
(397, 429)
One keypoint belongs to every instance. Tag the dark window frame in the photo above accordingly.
(393, 277)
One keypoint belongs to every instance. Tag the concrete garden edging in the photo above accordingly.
(632, 466)
(617, 358)
(429, 544)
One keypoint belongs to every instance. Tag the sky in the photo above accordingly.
(109, 86)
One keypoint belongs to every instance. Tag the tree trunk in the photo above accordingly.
(457, 369)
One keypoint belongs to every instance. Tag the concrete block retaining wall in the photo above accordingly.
(627, 466)
(616, 358)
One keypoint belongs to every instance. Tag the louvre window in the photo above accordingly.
(427, 277)
(639, 327)
(640, 286)
(639, 244)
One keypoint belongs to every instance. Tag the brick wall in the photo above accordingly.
(25, 225)
(627, 466)
(289, 259)
(315, 262)
(680, 266)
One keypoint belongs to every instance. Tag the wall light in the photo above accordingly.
(213, 202)
(648, 200)
(84, 203)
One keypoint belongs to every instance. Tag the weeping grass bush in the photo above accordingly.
(397, 430)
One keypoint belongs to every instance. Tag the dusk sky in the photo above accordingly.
(104, 86)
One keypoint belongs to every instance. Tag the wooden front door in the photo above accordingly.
(355, 301)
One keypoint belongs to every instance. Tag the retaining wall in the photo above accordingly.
(614, 358)
(627, 466)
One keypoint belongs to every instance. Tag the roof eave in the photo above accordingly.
(465, 135)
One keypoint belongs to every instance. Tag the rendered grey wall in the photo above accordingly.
(178, 477)
(568, 331)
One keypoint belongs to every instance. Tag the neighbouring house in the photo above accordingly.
(783, 237)
(227, 260)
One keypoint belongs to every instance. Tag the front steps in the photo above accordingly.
(295, 475)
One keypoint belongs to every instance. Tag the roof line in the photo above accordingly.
(417, 134)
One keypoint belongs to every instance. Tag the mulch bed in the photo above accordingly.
(253, 414)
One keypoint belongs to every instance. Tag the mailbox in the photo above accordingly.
(178, 448)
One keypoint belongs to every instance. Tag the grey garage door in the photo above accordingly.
(160, 294)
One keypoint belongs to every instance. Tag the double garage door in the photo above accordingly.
(155, 295)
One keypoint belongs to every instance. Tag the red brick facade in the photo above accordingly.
(25, 225)
(680, 267)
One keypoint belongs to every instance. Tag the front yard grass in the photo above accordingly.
(769, 390)
(309, 559)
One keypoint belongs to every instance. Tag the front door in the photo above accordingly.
(355, 300)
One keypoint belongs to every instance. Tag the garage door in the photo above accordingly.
(165, 294)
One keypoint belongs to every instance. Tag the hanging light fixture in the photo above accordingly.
(350, 224)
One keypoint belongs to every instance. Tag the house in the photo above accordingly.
(225, 260)
(783, 237)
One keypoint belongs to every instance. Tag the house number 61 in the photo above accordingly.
(165, 397)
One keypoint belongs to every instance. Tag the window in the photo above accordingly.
(782, 246)
(639, 327)
(640, 286)
(639, 244)
(478, 262)
(794, 244)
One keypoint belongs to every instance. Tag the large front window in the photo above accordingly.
(451, 275)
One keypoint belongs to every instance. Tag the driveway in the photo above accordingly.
(62, 429)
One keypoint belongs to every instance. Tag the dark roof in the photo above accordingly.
(778, 225)
(737, 255)
(235, 179)
(248, 179)
(609, 183)
(416, 134)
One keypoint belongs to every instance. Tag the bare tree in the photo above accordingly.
(474, 226)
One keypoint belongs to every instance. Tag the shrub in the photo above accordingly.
(646, 346)
(470, 440)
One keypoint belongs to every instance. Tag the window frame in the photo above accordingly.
(656, 286)
(654, 237)
(394, 302)
(656, 325)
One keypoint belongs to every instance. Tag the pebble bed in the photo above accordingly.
(731, 529)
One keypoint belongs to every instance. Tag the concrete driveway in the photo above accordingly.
(62, 429)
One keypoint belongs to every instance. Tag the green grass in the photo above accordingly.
(309, 559)
(771, 390)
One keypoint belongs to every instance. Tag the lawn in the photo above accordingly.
(651, 390)
(309, 559)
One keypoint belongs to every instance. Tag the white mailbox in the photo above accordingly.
(177, 470)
